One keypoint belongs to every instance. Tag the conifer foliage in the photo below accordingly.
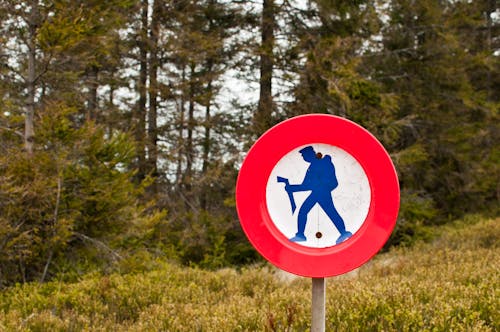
(123, 123)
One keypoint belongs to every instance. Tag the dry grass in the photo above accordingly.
(451, 284)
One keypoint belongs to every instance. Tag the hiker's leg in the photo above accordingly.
(303, 212)
(326, 204)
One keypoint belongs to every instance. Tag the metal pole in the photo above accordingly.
(318, 304)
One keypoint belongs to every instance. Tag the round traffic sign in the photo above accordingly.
(317, 195)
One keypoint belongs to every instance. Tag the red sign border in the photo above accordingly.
(251, 195)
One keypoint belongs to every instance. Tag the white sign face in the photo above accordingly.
(318, 200)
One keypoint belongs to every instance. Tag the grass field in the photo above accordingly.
(450, 284)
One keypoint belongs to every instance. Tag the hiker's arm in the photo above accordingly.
(295, 187)
(304, 186)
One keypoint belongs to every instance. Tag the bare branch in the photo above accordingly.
(99, 244)
(20, 134)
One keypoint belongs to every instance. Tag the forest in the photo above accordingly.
(123, 123)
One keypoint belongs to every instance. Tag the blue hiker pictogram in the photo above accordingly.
(321, 180)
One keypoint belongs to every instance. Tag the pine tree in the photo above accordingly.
(443, 119)
(262, 118)
(70, 198)
(332, 78)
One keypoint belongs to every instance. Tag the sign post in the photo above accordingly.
(318, 305)
(317, 195)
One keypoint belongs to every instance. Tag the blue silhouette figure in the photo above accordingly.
(321, 180)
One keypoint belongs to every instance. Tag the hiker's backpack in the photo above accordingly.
(328, 172)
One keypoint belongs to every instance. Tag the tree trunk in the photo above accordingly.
(489, 24)
(207, 133)
(262, 119)
(180, 144)
(140, 118)
(190, 130)
(29, 128)
(153, 91)
(110, 109)
(207, 129)
(93, 85)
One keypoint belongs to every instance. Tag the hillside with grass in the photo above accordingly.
(451, 283)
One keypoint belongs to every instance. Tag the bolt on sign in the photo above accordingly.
(317, 195)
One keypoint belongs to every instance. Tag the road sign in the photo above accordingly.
(317, 195)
